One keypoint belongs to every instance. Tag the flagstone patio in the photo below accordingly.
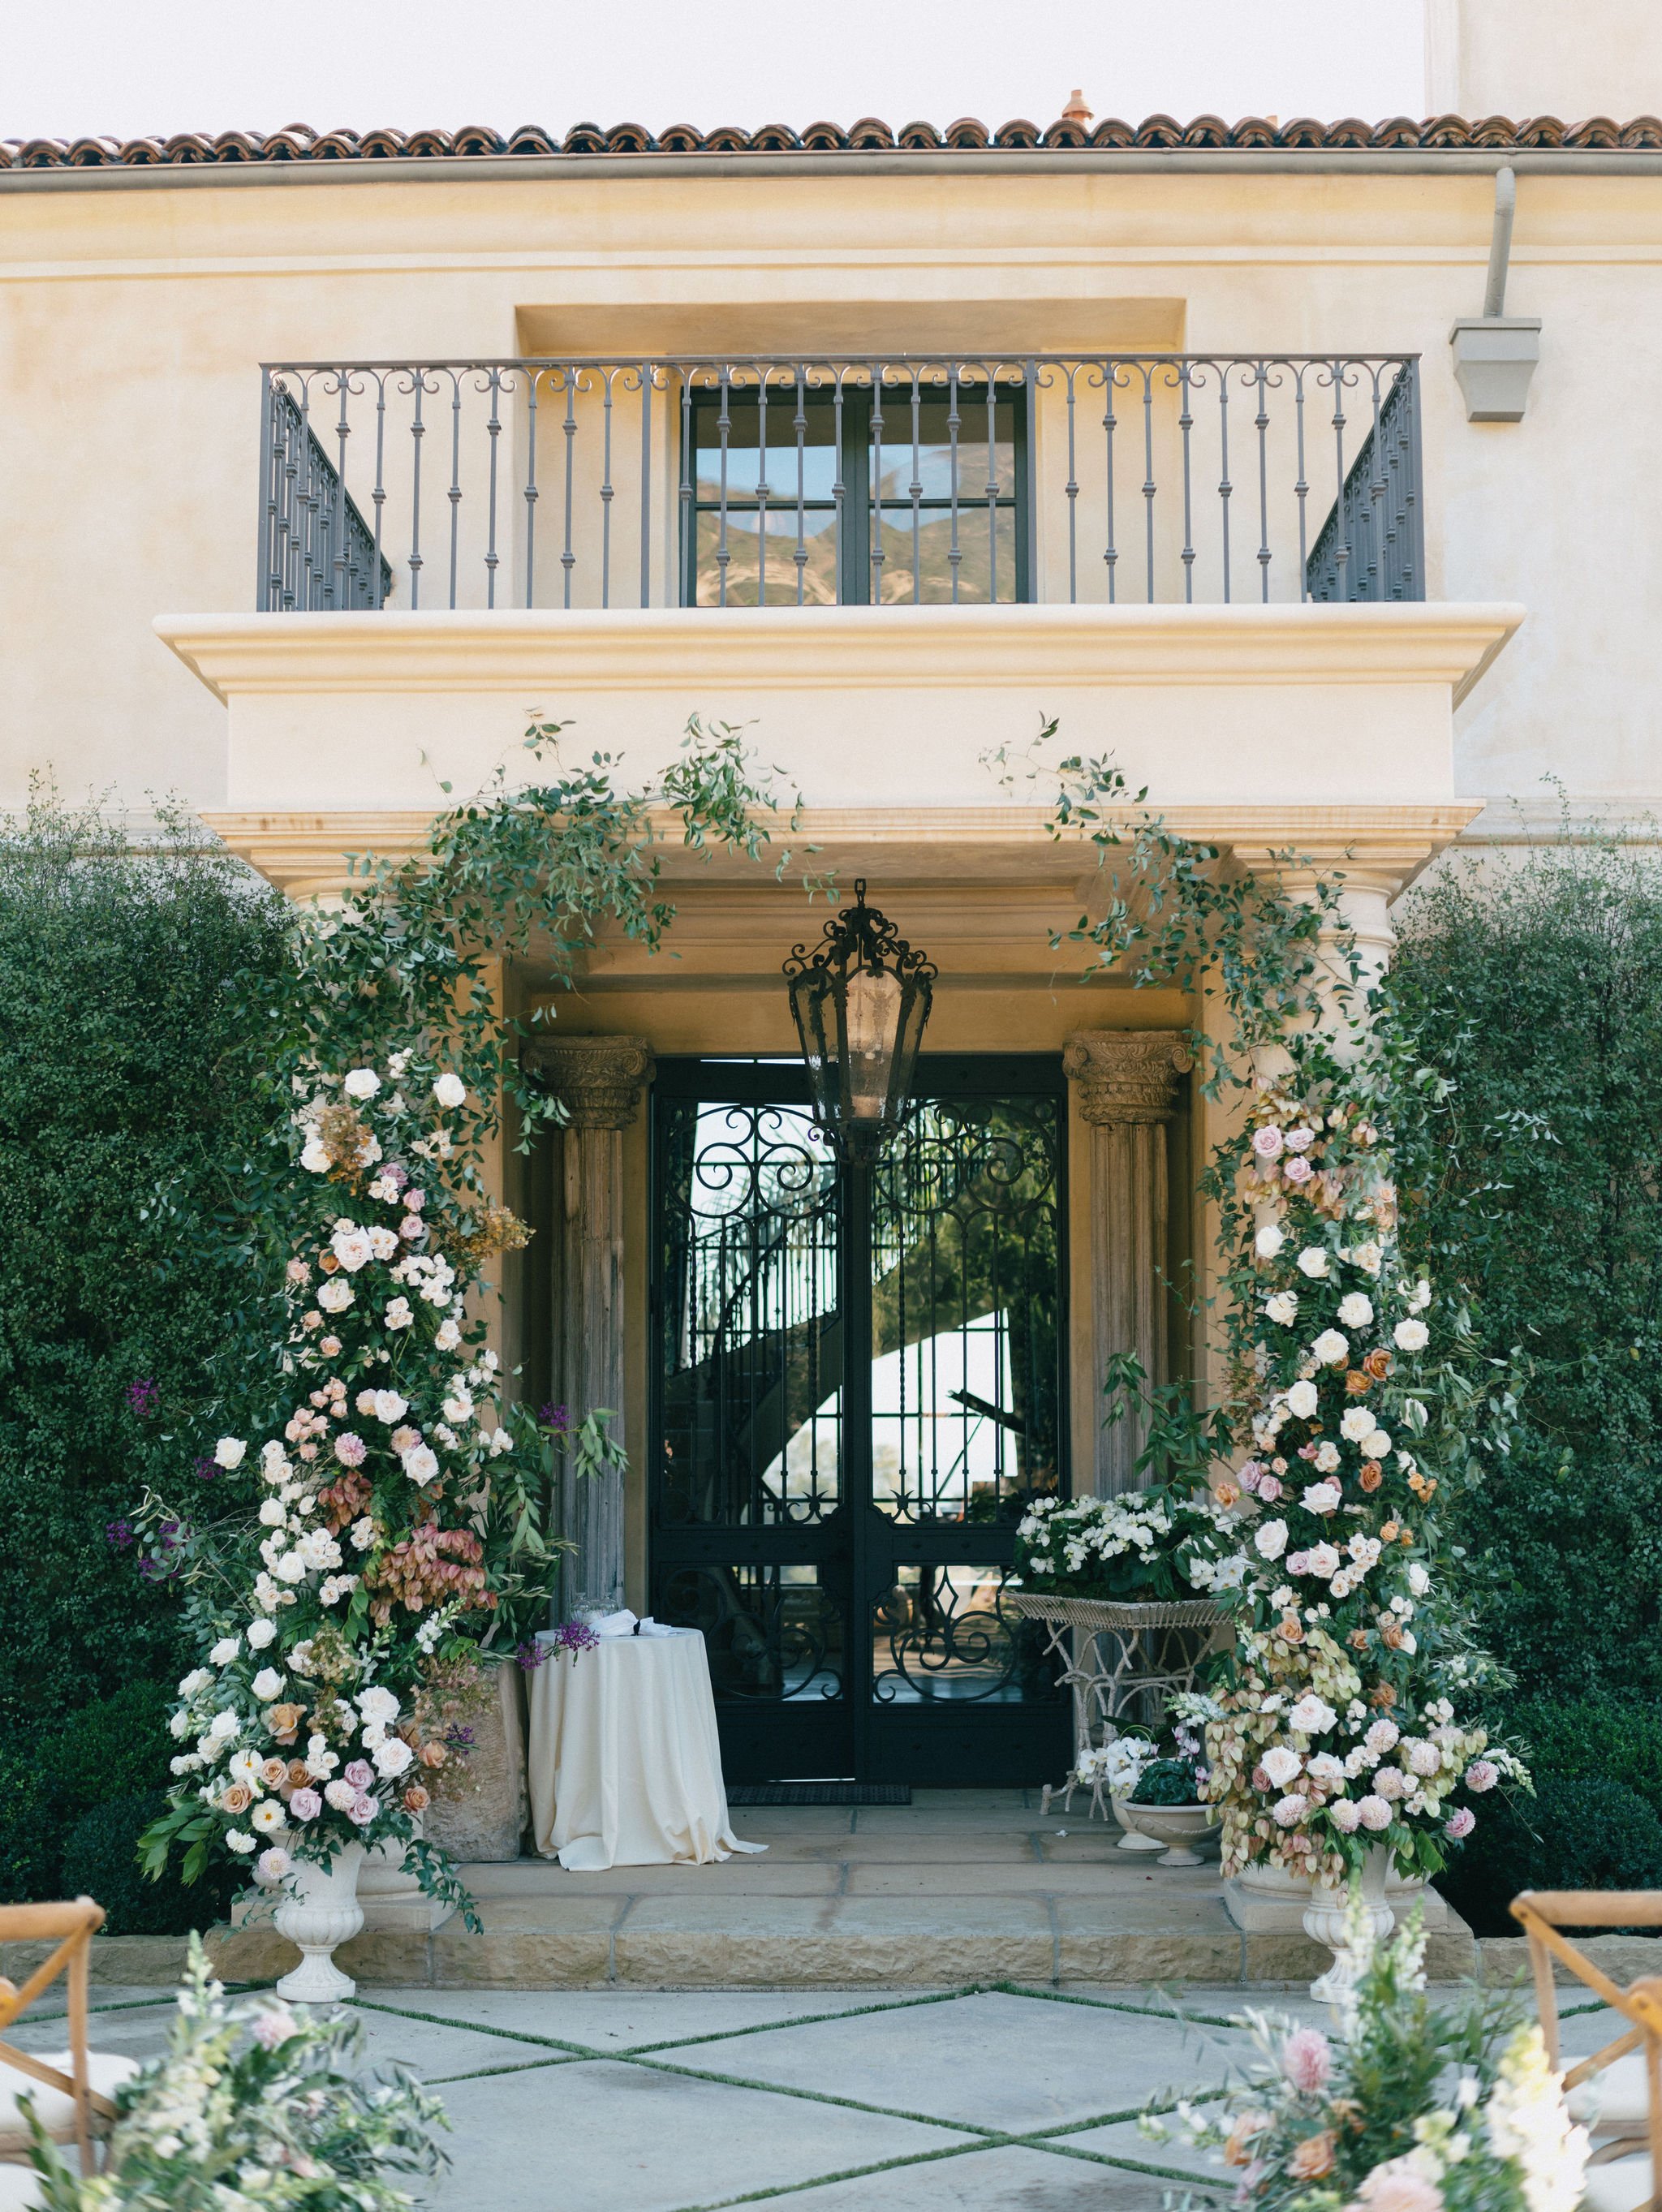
(959, 1885)
(1025, 2100)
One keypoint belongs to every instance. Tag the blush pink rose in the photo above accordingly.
(1267, 1143)
(361, 1811)
(360, 1774)
(304, 1805)
(1298, 1169)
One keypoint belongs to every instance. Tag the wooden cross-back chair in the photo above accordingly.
(72, 1928)
(1626, 2114)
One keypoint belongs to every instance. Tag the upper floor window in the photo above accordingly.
(833, 489)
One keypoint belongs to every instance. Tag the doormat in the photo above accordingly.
(821, 1793)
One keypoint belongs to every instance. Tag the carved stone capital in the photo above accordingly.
(1126, 1076)
(598, 1079)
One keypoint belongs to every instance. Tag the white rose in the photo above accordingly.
(229, 1450)
(1314, 1715)
(422, 1464)
(1355, 1423)
(1282, 1307)
(458, 1407)
(195, 1682)
(223, 1726)
(1312, 1261)
(390, 1407)
(239, 1840)
(292, 1567)
(260, 1634)
(361, 1083)
(392, 1757)
(1327, 1456)
(225, 1650)
(1419, 1580)
(271, 1513)
(1323, 1498)
(1420, 1297)
(1376, 1444)
(383, 1243)
(314, 1158)
(1269, 1539)
(1321, 1559)
(266, 1684)
(1330, 1348)
(1355, 1310)
(399, 1314)
(1302, 1402)
(1281, 1764)
(336, 1295)
(450, 1091)
(1269, 1240)
(448, 1336)
(363, 1532)
(352, 1247)
(1411, 1335)
(378, 1705)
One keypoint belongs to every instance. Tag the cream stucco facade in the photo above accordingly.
(137, 305)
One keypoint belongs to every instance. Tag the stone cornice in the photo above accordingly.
(598, 1079)
(849, 649)
(305, 853)
(1126, 1076)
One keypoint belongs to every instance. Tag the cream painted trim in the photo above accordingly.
(302, 852)
(851, 649)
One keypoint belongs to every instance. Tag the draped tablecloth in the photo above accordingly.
(625, 1766)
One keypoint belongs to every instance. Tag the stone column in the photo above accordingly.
(1127, 1084)
(599, 1081)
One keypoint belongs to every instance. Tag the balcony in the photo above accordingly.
(1137, 480)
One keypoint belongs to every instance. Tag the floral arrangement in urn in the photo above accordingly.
(393, 1522)
(1414, 2108)
(1338, 1724)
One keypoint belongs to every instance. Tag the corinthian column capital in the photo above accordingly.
(1126, 1076)
(598, 1079)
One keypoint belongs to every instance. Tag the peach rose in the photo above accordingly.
(237, 1799)
(416, 1799)
(299, 1774)
(1312, 2158)
(285, 1722)
(1291, 1629)
(273, 1772)
(1378, 1364)
(432, 1754)
(1373, 1474)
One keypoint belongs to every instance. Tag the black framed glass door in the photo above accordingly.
(858, 1387)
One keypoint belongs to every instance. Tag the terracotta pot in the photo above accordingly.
(479, 1811)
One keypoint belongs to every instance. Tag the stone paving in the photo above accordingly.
(638, 2100)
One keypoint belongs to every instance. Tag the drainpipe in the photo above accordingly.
(1496, 354)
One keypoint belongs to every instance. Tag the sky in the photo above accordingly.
(127, 68)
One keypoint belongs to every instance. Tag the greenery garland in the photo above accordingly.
(381, 1509)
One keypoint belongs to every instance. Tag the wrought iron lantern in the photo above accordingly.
(860, 998)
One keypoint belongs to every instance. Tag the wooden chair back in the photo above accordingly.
(72, 1928)
(1542, 1914)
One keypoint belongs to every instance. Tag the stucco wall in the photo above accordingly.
(132, 323)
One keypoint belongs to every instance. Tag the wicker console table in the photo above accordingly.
(1151, 1650)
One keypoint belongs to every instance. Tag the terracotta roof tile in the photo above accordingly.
(298, 142)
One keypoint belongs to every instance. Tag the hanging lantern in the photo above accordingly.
(861, 999)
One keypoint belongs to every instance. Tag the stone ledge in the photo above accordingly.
(1503, 1959)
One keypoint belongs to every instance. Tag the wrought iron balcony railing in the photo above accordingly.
(1129, 478)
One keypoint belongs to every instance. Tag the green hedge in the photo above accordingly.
(127, 1107)
(1535, 992)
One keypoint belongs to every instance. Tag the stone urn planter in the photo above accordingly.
(1184, 1835)
(480, 1803)
(1268, 1900)
(1327, 1915)
(320, 1911)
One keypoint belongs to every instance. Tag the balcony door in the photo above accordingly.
(857, 1388)
(841, 492)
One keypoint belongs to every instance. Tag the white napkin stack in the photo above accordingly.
(621, 1623)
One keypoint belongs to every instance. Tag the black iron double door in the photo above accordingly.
(857, 1388)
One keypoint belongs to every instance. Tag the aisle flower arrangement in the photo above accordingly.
(1340, 1724)
(1413, 2108)
(254, 2106)
(387, 1525)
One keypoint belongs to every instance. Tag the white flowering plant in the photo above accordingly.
(1142, 1545)
(1413, 2108)
(253, 2107)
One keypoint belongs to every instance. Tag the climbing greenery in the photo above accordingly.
(1534, 996)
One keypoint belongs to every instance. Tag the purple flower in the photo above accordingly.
(557, 1418)
(142, 1398)
(574, 1636)
(360, 1774)
(118, 1536)
(206, 1469)
(531, 1655)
